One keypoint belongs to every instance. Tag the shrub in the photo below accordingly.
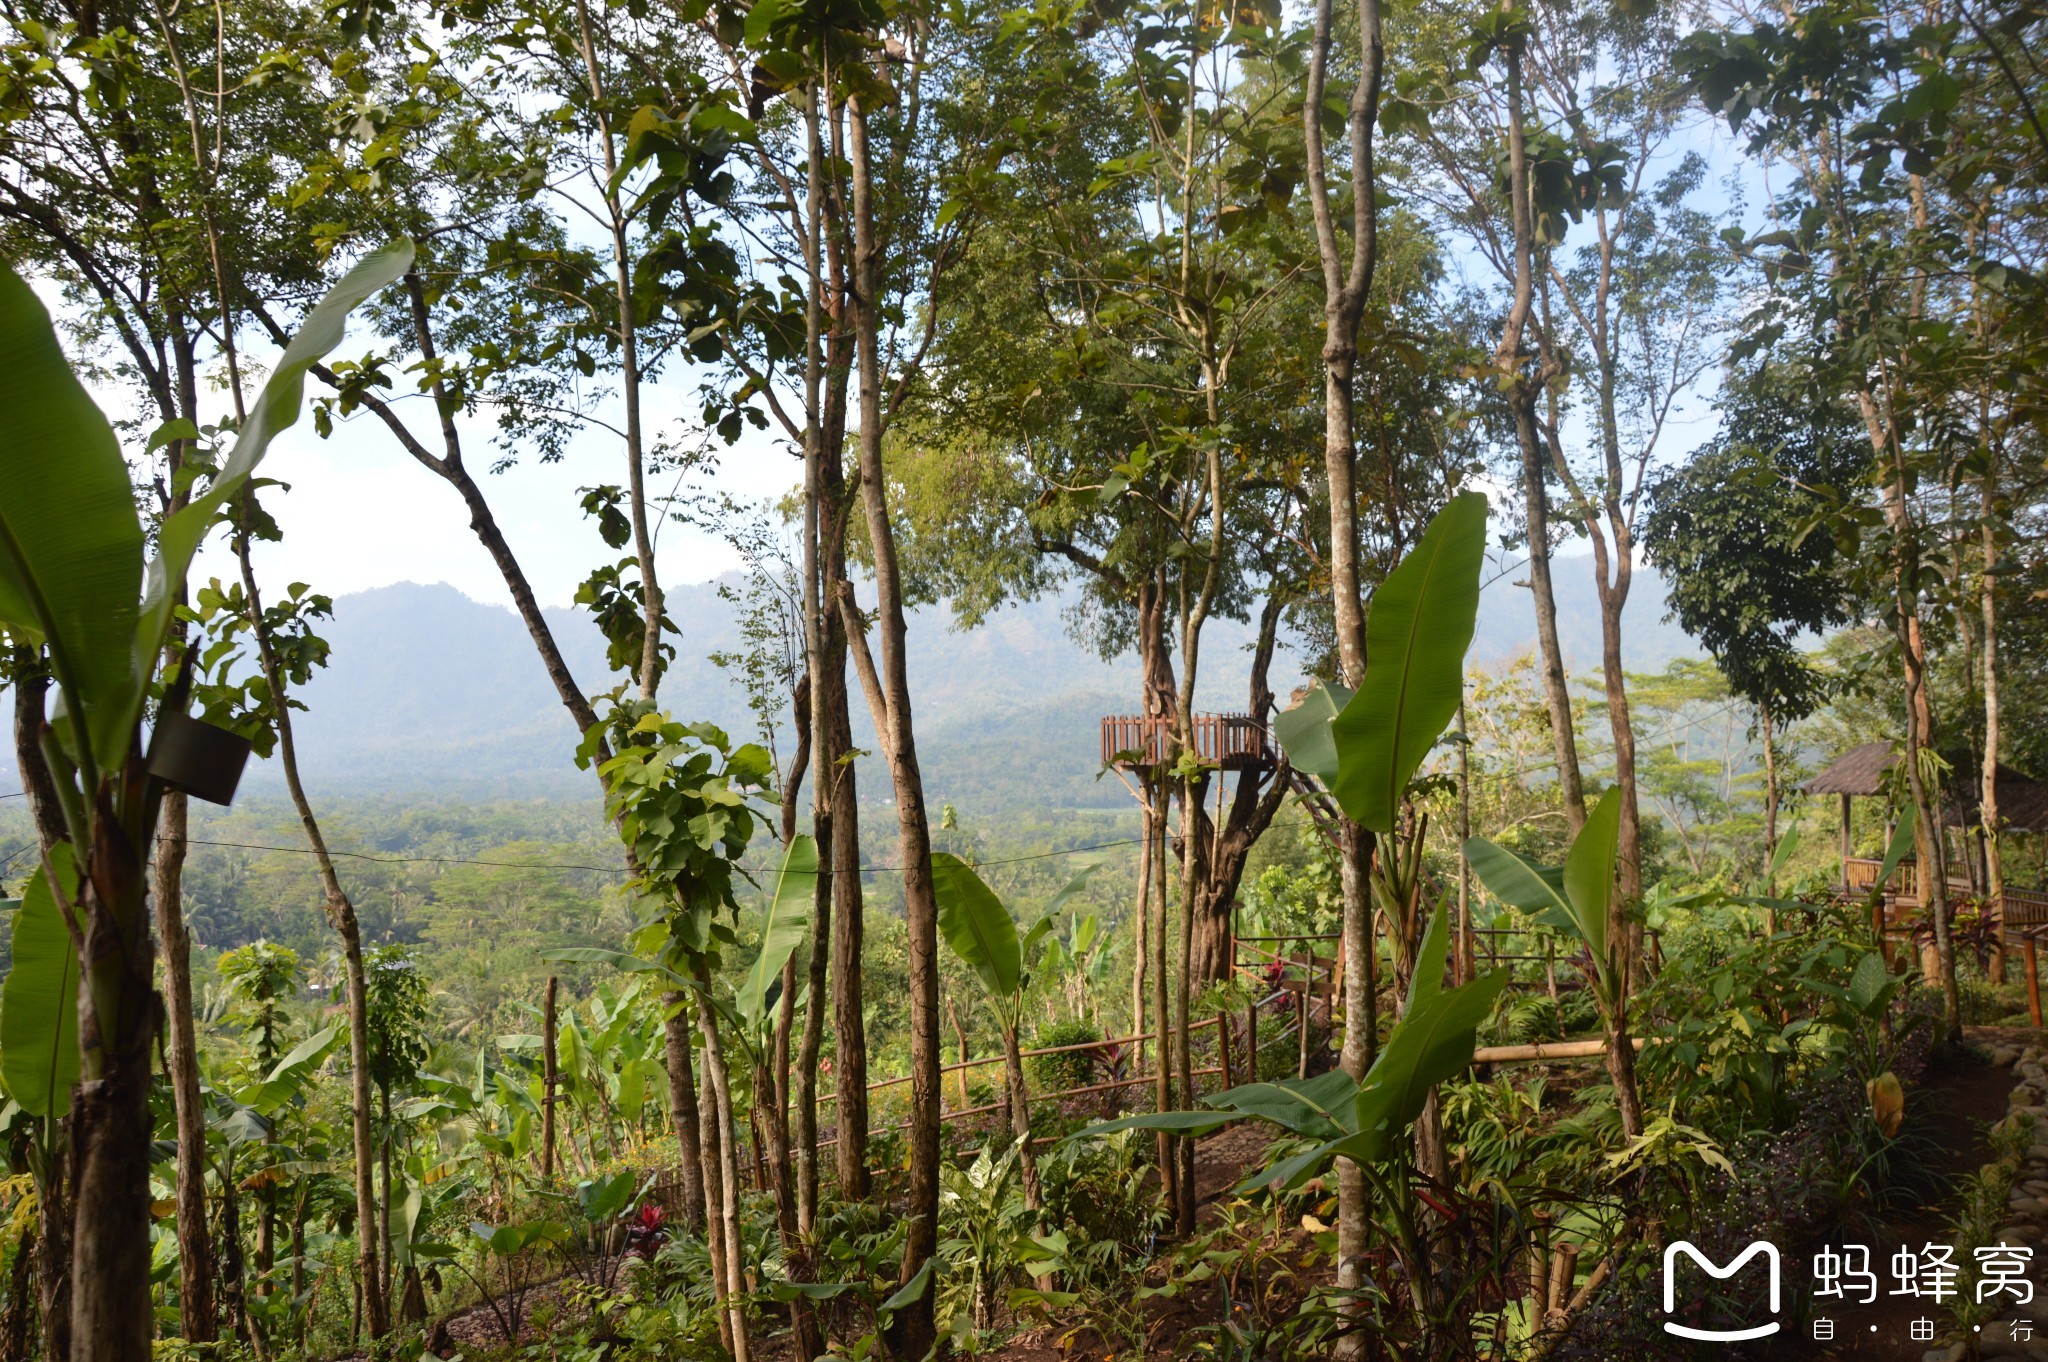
(1071, 1069)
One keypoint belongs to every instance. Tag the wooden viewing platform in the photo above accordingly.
(1235, 742)
(2023, 907)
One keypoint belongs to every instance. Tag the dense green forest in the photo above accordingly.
(1241, 681)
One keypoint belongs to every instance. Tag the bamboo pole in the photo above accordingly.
(1567, 1049)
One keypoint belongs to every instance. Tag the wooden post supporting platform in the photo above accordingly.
(2033, 981)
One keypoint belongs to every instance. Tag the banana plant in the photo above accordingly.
(1364, 1120)
(77, 578)
(981, 932)
(1366, 746)
(1582, 899)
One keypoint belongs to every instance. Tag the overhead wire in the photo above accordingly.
(577, 865)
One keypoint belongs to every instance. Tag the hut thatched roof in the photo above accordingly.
(1866, 770)
(1858, 771)
(2022, 803)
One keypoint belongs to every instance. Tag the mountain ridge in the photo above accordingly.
(430, 690)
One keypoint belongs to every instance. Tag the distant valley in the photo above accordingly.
(431, 691)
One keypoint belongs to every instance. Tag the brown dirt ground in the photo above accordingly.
(1959, 1102)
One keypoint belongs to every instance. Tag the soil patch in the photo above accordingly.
(1957, 1103)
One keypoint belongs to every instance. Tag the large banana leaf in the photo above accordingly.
(1316, 1108)
(275, 409)
(1897, 849)
(1433, 1042)
(70, 542)
(1304, 730)
(1579, 897)
(71, 546)
(1519, 882)
(1589, 874)
(287, 1078)
(1428, 980)
(1416, 639)
(977, 926)
(784, 927)
(39, 1000)
(1050, 918)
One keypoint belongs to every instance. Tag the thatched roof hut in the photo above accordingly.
(1865, 771)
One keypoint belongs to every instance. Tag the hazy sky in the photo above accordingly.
(361, 513)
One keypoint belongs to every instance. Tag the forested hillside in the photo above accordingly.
(428, 690)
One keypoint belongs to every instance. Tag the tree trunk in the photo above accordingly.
(1020, 1118)
(849, 934)
(110, 1120)
(342, 913)
(53, 1257)
(807, 1063)
(733, 1290)
(1987, 809)
(1927, 825)
(384, 1207)
(14, 1320)
(53, 1206)
(1183, 1061)
(711, 1156)
(913, 1332)
(1622, 726)
(1142, 919)
(1162, 1059)
(1770, 801)
(1467, 969)
(1522, 397)
(1557, 697)
(1347, 283)
(549, 1078)
(682, 1102)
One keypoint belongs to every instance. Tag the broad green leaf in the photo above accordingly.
(1428, 981)
(1050, 918)
(1428, 1045)
(1787, 845)
(39, 1000)
(405, 1219)
(1304, 731)
(1897, 849)
(977, 926)
(288, 1076)
(810, 1291)
(911, 1290)
(1871, 984)
(181, 533)
(1073, 886)
(1329, 1093)
(1175, 1122)
(70, 543)
(1589, 874)
(1285, 1104)
(1285, 1174)
(1519, 882)
(763, 17)
(1416, 638)
(784, 927)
